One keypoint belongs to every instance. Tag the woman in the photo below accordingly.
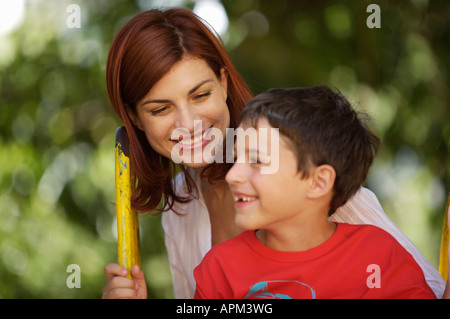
(167, 71)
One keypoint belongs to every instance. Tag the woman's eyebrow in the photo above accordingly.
(195, 88)
(155, 101)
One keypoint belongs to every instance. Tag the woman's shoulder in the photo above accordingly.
(185, 183)
(180, 184)
(188, 213)
(363, 208)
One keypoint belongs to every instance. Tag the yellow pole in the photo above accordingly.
(127, 222)
(443, 259)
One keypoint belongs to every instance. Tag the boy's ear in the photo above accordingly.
(134, 118)
(322, 181)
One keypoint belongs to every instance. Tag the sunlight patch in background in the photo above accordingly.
(213, 12)
(12, 14)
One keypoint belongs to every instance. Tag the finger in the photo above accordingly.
(137, 273)
(113, 270)
(139, 278)
(119, 282)
(121, 293)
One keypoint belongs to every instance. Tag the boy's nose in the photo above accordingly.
(236, 174)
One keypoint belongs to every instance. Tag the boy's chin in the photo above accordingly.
(245, 224)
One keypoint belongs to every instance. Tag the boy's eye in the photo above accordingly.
(255, 160)
(260, 159)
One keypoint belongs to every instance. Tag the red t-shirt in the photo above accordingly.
(358, 261)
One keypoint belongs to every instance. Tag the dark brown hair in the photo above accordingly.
(322, 128)
(142, 52)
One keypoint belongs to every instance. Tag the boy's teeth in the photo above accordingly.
(243, 199)
(195, 140)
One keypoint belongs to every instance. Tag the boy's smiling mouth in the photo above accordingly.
(244, 198)
(241, 200)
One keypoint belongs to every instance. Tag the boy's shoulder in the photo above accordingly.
(365, 230)
(369, 236)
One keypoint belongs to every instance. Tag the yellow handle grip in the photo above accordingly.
(443, 259)
(127, 221)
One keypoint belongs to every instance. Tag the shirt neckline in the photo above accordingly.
(297, 256)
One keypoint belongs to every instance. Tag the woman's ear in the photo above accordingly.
(224, 82)
(134, 118)
(322, 181)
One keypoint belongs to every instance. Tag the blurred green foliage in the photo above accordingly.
(57, 126)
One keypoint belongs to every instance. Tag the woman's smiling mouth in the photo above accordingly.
(189, 142)
(197, 139)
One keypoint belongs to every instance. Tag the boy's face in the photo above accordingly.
(266, 201)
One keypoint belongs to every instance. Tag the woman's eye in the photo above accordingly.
(202, 96)
(156, 112)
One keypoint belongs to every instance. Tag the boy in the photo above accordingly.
(290, 248)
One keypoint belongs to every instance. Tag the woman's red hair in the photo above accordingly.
(142, 52)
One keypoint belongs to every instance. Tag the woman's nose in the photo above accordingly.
(187, 118)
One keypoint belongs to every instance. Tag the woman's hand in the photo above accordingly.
(119, 286)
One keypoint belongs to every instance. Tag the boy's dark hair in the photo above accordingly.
(322, 128)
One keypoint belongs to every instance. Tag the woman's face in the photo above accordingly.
(183, 109)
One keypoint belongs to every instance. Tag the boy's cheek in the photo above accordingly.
(272, 168)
